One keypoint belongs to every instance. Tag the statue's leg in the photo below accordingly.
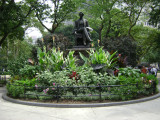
(84, 39)
(87, 35)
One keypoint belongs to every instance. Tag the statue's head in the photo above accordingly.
(81, 14)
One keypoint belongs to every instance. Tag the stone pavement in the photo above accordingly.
(149, 110)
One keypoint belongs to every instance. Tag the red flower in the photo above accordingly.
(74, 75)
(116, 72)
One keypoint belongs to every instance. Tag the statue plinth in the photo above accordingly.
(80, 49)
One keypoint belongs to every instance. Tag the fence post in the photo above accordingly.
(57, 96)
(24, 91)
(154, 87)
(100, 93)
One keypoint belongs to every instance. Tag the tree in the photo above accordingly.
(100, 13)
(155, 13)
(147, 39)
(133, 9)
(12, 17)
(60, 11)
(15, 54)
(124, 46)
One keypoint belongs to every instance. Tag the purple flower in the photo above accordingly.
(54, 84)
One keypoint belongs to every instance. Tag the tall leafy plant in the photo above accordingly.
(51, 60)
(70, 61)
(100, 56)
(42, 58)
(56, 60)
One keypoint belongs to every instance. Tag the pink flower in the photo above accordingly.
(150, 81)
(54, 84)
(45, 91)
(36, 86)
(53, 88)
(90, 94)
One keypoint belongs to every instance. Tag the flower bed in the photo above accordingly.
(58, 78)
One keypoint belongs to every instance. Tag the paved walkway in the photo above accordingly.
(149, 110)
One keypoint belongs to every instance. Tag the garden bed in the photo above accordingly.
(56, 78)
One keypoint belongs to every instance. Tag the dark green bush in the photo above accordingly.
(15, 91)
(28, 71)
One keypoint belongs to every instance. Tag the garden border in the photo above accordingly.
(5, 97)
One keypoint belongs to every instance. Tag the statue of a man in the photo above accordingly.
(82, 31)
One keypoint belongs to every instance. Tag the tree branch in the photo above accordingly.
(1, 7)
(133, 23)
(15, 27)
(3, 38)
(42, 23)
(21, 22)
(55, 23)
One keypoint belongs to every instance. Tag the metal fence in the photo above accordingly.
(99, 91)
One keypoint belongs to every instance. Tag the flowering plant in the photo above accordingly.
(74, 75)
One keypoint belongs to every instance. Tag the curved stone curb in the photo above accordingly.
(5, 97)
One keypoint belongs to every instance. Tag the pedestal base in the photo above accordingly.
(80, 49)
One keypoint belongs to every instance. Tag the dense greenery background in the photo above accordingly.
(118, 24)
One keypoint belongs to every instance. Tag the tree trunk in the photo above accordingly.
(109, 27)
(100, 33)
(3, 38)
(100, 37)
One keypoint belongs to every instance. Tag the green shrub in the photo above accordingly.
(17, 88)
(27, 82)
(129, 72)
(28, 71)
(3, 82)
(15, 65)
(15, 91)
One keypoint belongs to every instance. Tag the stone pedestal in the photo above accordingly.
(80, 49)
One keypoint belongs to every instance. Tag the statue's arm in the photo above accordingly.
(75, 26)
(87, 24)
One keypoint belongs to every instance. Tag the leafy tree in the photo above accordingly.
(56, 12)
(100, 15)
(125, 47)
(155, 13)
(133, 9)
(15, 55)
(147, 39)
(12, 17)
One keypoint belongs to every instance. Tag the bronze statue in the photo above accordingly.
(82, 32)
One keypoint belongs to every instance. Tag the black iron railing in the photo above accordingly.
(57, 92)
